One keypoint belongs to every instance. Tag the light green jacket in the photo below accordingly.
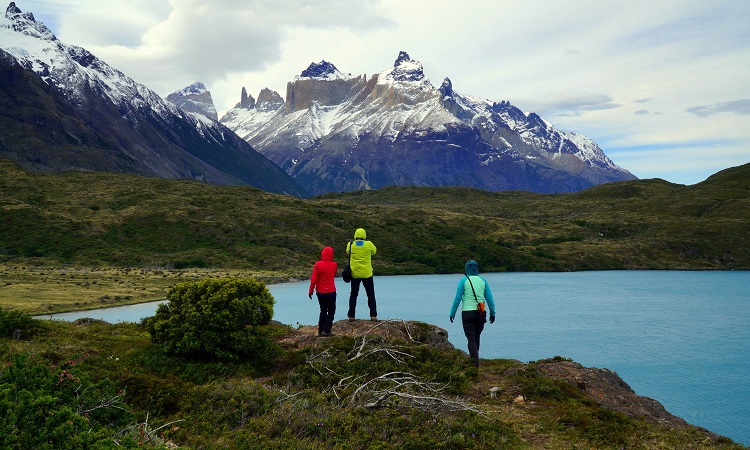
(361, 251)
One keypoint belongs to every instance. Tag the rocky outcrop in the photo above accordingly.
(300, 94)
(393, 330)
(608, 390)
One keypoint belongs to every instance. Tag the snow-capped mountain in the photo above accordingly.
(68, 110)
(195, 98)
(338, 132)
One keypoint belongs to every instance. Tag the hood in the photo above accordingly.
(360, 234)
(327, 254)
(471, 268)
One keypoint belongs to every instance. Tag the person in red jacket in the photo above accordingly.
(321, 281)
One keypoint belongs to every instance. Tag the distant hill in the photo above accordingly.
(110, 219)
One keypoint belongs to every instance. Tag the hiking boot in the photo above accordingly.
(374, 318)
(351, 319)
(324, 334)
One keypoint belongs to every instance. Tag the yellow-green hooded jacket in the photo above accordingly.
(361, 252)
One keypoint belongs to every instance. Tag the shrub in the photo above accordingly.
(49, 407)
(10, 321)
(220, 318)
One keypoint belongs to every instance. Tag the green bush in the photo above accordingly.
(14, 320)
(49, 407)
(219, 318)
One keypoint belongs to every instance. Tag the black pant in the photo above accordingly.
(327, 303)
(473, 326)
(369, 290)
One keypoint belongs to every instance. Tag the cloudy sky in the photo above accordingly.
(663, 86)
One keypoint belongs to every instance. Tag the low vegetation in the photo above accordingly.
(96, 385)
(83, 240)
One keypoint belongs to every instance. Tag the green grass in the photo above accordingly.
(40, 289)
(106, 222)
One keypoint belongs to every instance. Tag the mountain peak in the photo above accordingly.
(402, 56)
(406, 69)
(26, 24)
(323, 69)
(269, 100)
(446, 88)
(196, 88)
(12, 11)
(195, 98)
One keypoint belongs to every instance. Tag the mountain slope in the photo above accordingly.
(338, 132)
(64, 109)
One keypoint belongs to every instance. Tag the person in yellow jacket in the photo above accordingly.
(360, 253)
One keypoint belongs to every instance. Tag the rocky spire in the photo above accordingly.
(446, 88)
(406, 69)
(12, 10)
(402, 56)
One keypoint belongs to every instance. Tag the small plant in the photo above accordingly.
(220, 318)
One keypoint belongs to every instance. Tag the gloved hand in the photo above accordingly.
(310, 295)
(452, 319)
(492, 319)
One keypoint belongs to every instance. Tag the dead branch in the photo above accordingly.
(110, 401)
(410, 390)
(360, 349)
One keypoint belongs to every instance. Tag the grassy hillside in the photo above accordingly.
(103, 219)
(92, 384)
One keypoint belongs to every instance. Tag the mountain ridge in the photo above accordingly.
(348, 132)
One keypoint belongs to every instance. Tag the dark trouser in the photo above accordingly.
(327, 303)
(369, 290)
(473, 326)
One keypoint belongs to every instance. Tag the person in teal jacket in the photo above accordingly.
(472, 290)
(360, 253)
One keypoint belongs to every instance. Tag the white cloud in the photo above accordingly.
(630, 74)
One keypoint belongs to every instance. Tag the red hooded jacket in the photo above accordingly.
(323, 273)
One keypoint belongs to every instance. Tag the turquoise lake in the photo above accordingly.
(682, 338)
